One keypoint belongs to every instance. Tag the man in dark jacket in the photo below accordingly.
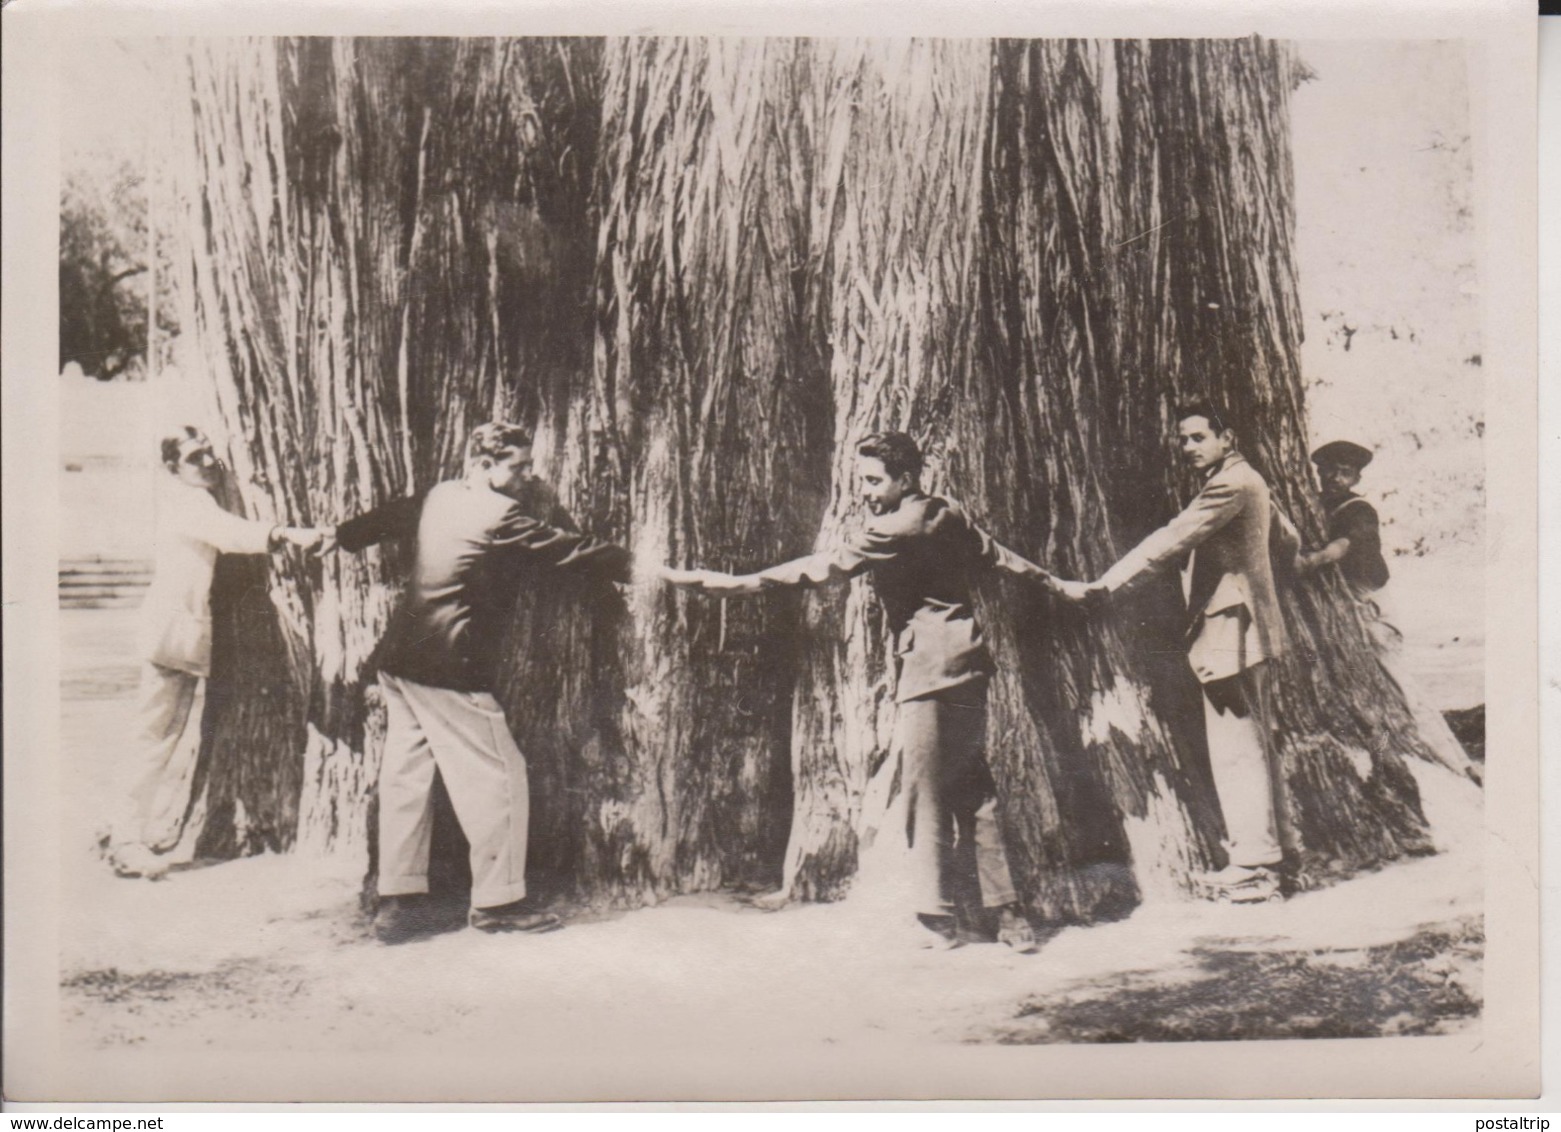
(933, 806)
(1355, 544)
(436, 672)
(1354, 538)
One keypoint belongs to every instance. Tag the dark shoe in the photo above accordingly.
(402, 918)
(941, 934)
(1014, 931)
(514, 917)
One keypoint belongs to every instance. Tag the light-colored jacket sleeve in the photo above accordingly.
(1216, 505)
(199, 517)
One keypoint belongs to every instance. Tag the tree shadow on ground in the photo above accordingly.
(1428, 983)
(1468, 724)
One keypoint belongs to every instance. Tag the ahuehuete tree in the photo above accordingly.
(705, 268)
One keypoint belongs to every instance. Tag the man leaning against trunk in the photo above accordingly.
(932, 832)
(174, 643)
(1235, 629)
(475, 544)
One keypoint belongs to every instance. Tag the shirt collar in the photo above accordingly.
(1230, 460)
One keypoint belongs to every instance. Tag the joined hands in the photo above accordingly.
(1091, 595)
(711, 581)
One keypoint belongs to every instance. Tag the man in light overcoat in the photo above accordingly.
(1234, 631)
(174, 644)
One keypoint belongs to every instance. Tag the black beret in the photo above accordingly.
(1344, 452)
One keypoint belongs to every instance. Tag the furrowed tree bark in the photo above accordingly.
(713, 405)
(1098, 311)
(1121, 823)
(895, 215)
(1175, 281)
(706, 269)
(368, 248)
(1214, 313)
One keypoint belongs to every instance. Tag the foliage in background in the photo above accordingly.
(104, 264)
(102, 252)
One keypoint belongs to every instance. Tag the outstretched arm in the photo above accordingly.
(1317, 559)
(203, 519)
(396, 519)
(713, 581)
(1357, 526)
(844, 561)
(531, 541)
(1215, 506)
(990, 552)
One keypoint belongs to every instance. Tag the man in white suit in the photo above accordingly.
(174, 645)
(1234, 629)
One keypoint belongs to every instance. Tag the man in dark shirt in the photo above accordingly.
(932, 814)
(437, 667)
(1354, 541)
(1355, 544)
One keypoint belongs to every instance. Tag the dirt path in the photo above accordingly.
(270, 953)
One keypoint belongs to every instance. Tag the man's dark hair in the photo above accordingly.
(489, 440)
(899, 453)
(175, 440)
(1219, 420)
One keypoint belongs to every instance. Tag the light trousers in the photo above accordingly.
(164, 749)
(465, 737)
(1237, 712)
(934, 843)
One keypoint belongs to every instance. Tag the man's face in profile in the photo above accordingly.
(509, 471)
(880, 491)
(198, 465)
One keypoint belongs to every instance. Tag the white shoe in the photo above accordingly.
(1239, 884)
(132, 860)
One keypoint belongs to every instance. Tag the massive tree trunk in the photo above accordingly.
(1140, 234)
(711, 400)
(901, 128)
(706, 269)
(387, 245)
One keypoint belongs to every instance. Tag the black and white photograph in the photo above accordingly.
(756, 566)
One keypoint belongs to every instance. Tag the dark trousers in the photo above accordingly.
(936, 844)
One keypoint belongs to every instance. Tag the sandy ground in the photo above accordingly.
(271, 953)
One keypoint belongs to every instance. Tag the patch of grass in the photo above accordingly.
(110, 984)
(1426, 984)
(235, 981)
(109, 1007)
